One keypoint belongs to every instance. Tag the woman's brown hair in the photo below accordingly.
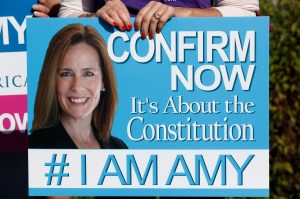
(46, 108)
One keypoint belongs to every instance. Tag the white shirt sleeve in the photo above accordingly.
(75, 8)
(235, 8)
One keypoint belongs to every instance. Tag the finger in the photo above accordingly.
(152, 27)
(156, 19)
(167, 14)
(115, 16)
(43, 2)
(125, 10)
(40, 14)
(150, 19)
(104, 16)
(140, 16)
(125, 17)
(122, 14)
(150, 22)
(118, 6)
(40, 8)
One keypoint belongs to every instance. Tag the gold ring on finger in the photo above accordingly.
(156, 16)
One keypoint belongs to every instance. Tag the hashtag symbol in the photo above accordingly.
(61, 166)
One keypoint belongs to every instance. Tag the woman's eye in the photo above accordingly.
(65, 74)
(88, 73)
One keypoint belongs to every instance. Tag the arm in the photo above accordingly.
(225, 8)
(231, 8)
(75, 8)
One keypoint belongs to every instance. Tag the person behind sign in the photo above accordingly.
(151, 16)
(77, 94)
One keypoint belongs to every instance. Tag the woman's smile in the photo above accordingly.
(78, 100)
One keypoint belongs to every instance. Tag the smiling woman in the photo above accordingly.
(77, 96)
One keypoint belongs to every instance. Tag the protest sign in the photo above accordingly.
(193, 110)
(13, 75)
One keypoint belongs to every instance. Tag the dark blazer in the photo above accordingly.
(57, 138)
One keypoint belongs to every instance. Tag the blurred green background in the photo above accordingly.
(284, 97)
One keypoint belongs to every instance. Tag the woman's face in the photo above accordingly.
(79, 82)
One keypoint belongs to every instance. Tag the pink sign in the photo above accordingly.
(13, 123)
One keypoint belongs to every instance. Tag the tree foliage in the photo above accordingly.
(284, 97)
